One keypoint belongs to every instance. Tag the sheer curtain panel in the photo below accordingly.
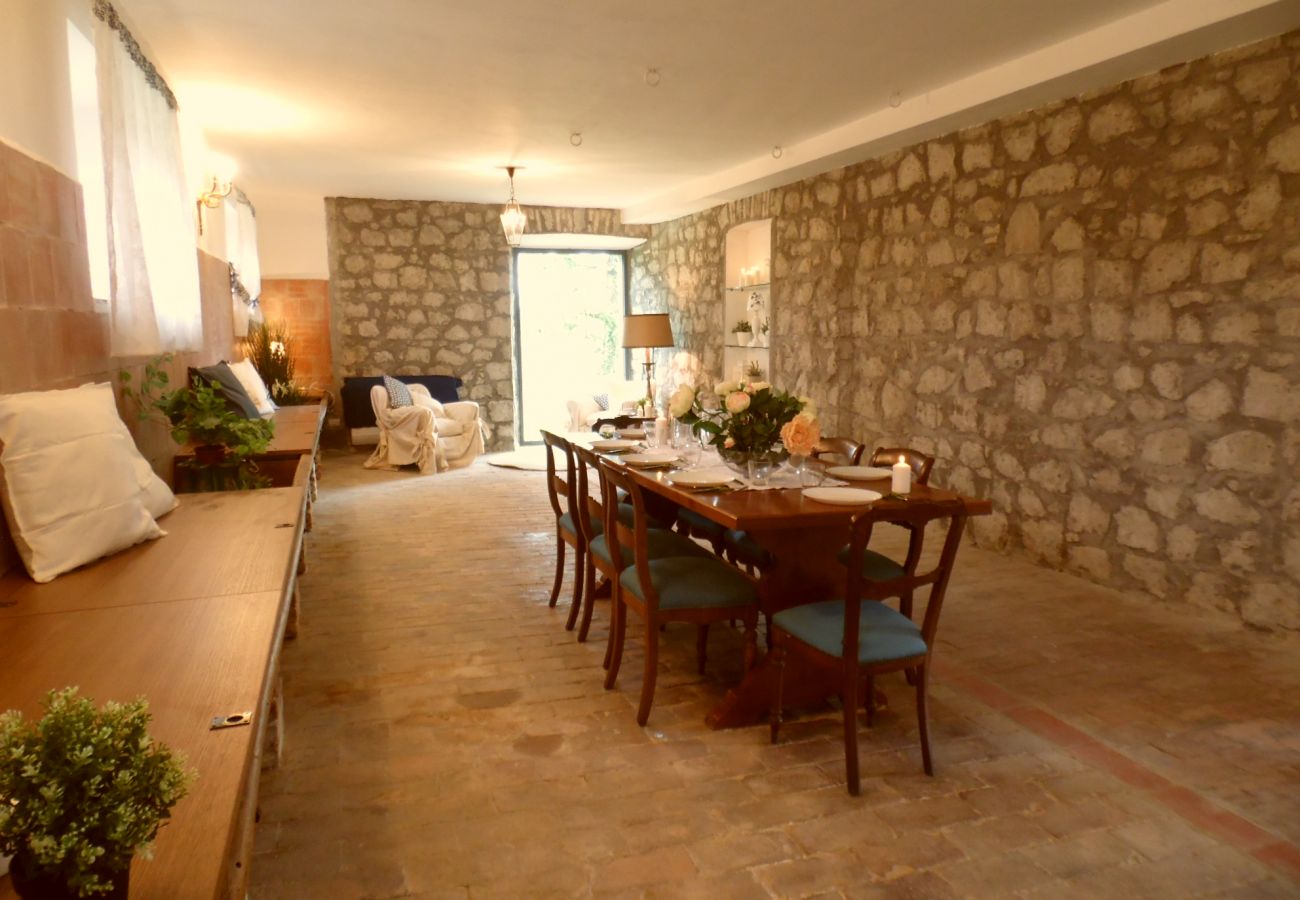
(241, 250)
(154, 303)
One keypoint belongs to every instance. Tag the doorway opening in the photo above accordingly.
(569, 308)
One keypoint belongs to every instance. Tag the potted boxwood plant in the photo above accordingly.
(225, 442)
(743, 331)
(81, 792)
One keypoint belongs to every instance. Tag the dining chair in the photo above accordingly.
(860, 637)
(567, 530)
(921, 463)
(661, 542)
(699, 590)
(839, 448)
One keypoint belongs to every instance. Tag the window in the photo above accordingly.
(90, 158)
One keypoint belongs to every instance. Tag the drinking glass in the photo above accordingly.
(607, 431)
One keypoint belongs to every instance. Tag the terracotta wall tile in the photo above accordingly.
(47, 201)
(13, 262)
(40, 267)
(20, 187)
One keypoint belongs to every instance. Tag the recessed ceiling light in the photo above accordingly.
(576, 139)
(777, 151)
(652, 77)
(895, 99)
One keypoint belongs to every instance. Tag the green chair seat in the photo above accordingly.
(875, 567)
(745, 549)
(883, 633)
(567, 524)
(660, 543)
(625, 515)
(693, 582)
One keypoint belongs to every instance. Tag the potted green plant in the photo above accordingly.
(743, 331)
(82, 791)
(225, 441)
(269, 347)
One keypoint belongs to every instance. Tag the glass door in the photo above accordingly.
(569, 308)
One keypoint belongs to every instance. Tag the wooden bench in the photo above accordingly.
(194, 622)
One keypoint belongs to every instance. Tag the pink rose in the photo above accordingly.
(737, 402)
(801, 434)
(729, 443)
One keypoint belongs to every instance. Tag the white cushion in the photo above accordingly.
(446, 427)
(420, 397)
(72, 489)
(154, 492)
(253, 385)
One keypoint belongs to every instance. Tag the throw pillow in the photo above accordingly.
(228, 384)
(156, 496)
(254, 386)
(398, 394)
(70, 489)
(602, 401)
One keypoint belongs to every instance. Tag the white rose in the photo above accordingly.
(737, 402)
(681, 401)
(757, 386)
(723, 388)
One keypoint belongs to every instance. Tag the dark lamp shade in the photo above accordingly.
(652, 330)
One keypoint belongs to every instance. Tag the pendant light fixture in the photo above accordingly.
(513, 219)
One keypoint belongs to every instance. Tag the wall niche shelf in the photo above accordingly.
(748, 259)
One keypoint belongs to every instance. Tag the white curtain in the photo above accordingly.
(241, 251)
(154, 300)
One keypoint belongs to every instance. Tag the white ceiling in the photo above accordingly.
(423, 99)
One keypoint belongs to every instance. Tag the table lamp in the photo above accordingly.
(649, 330)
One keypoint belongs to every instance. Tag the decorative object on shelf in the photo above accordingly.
(743, 331)
(753, 371)
(746, 425)
(756, 307)
(225, 442)
(269, 347)
(513, 220)
(84, 791)
(647, 330)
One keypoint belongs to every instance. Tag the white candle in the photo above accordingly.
(661, 432)
(902, 477)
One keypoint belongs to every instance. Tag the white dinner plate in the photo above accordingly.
(614, 444)
(859, 473)
(651, 458)
(714, 476)
(841, 496)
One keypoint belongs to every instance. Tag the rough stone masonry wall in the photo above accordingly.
(424, 288)
(1089, 312)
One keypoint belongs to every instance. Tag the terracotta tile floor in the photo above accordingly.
(447, 738)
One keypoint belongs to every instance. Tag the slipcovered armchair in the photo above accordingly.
(431, 435)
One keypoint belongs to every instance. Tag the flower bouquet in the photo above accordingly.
(747, 423)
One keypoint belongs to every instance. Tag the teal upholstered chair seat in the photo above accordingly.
(884, 635)
(746, 550)
(625, 513)
(660, 544)
(875, 566)
(693, 582)
(567, 524)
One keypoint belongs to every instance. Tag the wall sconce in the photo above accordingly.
(219, 187)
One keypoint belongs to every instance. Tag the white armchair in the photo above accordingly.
(434, 436)
(584, 411)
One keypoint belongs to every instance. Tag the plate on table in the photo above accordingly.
(648, 459)
(841, 496)
(614, 444)
(713, 476)
(859, 473)
(636, 433)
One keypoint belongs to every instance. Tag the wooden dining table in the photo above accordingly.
(802, 536)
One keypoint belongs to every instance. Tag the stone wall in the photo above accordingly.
(424, 288)
(1089, 312)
